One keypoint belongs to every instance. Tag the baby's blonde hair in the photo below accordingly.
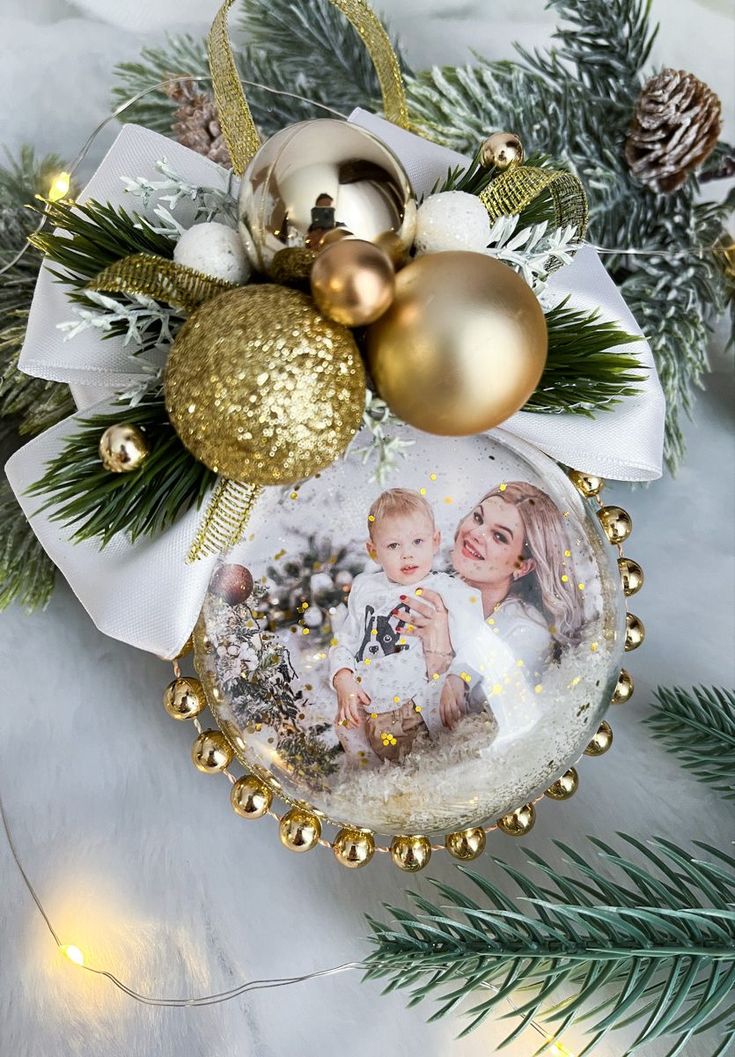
(397, 501)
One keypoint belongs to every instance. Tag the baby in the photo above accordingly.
(378, 672)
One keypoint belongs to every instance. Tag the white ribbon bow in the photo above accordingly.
(144, 593)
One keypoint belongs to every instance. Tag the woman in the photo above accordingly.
(513, 549)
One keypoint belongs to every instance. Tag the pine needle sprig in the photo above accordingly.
(584, 374)
(27, 574)
(698, 726)
(99, 504)
(654, 946)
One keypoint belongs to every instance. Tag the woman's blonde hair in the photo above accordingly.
(546, 540)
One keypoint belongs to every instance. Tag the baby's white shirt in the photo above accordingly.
(391, 666)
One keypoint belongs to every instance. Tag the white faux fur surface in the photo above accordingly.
(137, 857)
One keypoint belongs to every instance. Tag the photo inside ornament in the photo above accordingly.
(419, 655)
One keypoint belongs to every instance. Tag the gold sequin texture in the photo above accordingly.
(261, 388)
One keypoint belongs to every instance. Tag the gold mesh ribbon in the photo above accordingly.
(236, 120)
(147, 275)
(515, 189)
(227, 515)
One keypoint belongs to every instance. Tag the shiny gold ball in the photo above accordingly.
(250, 797)
(184, 698)
(396, 249)
(635, 632)
(501, 150)
(616, 522)
(410, 853)
(623, 688)
(123, 448)
(261, 388)
(211, 752)
(299, 830)
(334, 235)
(353, 847)
(631, 575)
(353, 282)
(564, 787)
(466, 844)
(318, 175)
(461, 348)
(602, 740)
(519, 822)
(586, 483)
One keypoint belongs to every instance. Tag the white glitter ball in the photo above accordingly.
(215, 250)
(452, 220)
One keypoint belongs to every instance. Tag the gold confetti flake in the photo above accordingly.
(538, 688)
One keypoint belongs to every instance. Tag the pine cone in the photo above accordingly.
(196, 124)
(676, 127)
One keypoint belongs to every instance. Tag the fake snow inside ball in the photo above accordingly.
(452, 220)
(215, 250)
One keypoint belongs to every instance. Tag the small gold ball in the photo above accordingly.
(602, 740)
(250, 797)
(410, 853)
(395, 247)
(623, 688)
(299, 830)
(353, 847)
(334, 235)
(353, 282)
(519, 822)
(586, 483)
(635, 632)
(123, 448)
(466, 844)
(631, 576)
(564, 787)
(616, 522)
(211, 752)
(184, 698)
(501, 150)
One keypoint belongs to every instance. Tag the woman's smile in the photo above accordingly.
(470, 549)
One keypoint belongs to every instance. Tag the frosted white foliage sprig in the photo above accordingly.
(383, 450)
(534, 252)
(148, 323)
(209, 203)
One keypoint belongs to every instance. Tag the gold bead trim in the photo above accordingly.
(512, 824)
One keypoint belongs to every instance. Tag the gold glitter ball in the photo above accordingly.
(261, 388)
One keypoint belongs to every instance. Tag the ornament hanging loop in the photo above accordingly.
(236, 119)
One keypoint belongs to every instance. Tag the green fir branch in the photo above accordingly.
(98, 504)
(584, 374)
(26, 572)
(653, 946)
(698, 726)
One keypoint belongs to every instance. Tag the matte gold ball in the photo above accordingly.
(250, 797)
(635, 632)
(299, 830)
(410, 853)
(519, 822)
(466, 844)
(631, 576)
(564, 787)
(461, 348)
(616, 522)
(501, 150)
(184, 698)
(602, 740)
(211, 752)
(261, 388)
(586, 483)
(623, 688)
(353, 848)
(123, 448)
(353, 282)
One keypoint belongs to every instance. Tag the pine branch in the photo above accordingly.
(583, 373)
(655, 947)
(99, 504)
(698, 726)
(26, 572)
